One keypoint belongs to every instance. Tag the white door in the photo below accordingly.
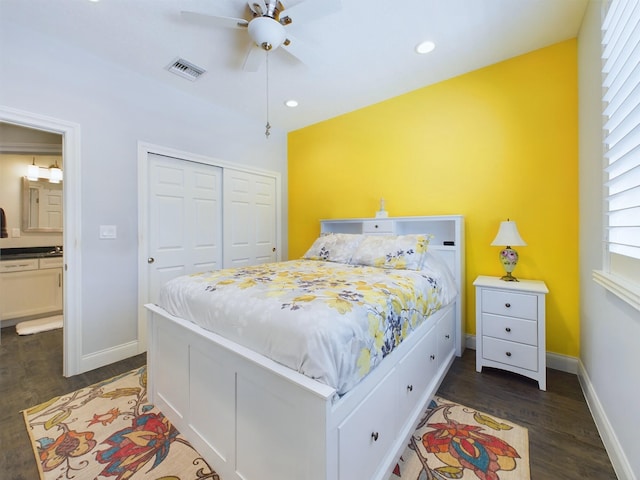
(250, 224)
(185, 219)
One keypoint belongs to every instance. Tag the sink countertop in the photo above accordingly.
(29, 252)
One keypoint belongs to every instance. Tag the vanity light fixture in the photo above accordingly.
(53, 173)
(425, 47)
(33, 171)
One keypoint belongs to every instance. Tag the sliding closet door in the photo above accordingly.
(185, 219)
(250, 221)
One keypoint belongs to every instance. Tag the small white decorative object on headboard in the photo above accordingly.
(382, 213)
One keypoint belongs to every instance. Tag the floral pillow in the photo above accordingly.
(334, 247)
(404, 252)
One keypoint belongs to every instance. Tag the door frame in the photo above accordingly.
(146, 149)
(72, 223)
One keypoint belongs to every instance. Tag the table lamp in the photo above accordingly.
(508, 236)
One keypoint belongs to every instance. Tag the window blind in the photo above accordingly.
(621, 102)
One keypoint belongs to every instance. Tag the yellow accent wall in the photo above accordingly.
(496, 143)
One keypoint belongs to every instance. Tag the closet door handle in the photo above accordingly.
(508, 329)
(151, 260)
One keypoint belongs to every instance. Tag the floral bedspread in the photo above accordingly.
(330, 321)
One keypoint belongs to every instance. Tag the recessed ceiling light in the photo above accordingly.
(291, 103)
(425, 47)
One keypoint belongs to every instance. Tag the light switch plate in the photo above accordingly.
(108, 231)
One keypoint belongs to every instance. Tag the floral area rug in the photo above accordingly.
(456, 442)
(108, 430)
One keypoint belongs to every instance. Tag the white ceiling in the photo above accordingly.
(361, 55)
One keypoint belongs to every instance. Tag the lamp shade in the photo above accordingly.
(33, 172)
(55, 173)
(508, 235)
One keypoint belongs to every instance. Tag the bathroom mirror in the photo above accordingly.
(41, 206)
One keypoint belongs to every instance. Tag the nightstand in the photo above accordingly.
(510, 326)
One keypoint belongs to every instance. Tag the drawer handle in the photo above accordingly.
(375, 226)
(409, 388)
(508, 305)
(508, 329)
(508, 354)
(375, 436)
(447, 336)
(432, 357)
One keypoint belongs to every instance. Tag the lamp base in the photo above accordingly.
(509, 278)
(509, 259)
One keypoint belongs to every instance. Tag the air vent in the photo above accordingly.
(186, 69)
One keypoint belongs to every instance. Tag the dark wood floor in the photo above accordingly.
(564, 442)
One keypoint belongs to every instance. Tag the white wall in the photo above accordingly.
(116, 109)
(609, 328)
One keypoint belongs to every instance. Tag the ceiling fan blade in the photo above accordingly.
(259, 7)
(298, 49)
(214, 20)
(309, 10)
(253, 60)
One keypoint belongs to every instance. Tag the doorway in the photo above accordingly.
(71, 272)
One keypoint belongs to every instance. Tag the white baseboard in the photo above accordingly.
(108, 356)
(618, 459)
(564, 363)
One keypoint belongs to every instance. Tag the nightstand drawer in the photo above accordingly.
(512, 304)
(510, 353)
(510, 329)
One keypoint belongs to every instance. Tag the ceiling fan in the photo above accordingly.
(268, 26)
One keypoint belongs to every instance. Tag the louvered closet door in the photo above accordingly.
(185, 219)
(249, 218)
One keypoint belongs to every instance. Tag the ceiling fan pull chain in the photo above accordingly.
(268, 126)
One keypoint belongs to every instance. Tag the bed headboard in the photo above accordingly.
(447, 241)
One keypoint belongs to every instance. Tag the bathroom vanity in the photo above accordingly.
(30, 282)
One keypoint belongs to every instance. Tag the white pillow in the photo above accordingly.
(403, 252)
(334, 247)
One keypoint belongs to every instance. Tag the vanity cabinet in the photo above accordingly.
(31, 286)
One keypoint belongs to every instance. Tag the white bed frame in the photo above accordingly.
(254, 419)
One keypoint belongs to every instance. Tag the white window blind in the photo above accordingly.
(621, 101)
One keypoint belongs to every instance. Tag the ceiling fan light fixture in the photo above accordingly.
(425, 47)
(266, 32)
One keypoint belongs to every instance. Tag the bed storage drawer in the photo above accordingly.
(446, 331)
(415, 372)
(366, 435)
